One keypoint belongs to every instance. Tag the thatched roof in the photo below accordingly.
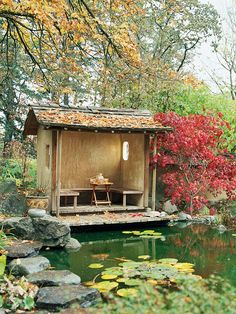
(90, 119)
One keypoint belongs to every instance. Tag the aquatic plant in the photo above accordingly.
(128, 273)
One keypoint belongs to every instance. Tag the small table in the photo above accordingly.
(106, 189)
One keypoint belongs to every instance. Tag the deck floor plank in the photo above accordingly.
(111, 219)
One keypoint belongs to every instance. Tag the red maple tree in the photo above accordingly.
(194, 161)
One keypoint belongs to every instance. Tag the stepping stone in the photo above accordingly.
(54, 278)
(23, 249)
(52, 298)
(28, 265)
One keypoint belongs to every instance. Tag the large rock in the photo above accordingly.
(51, 231)
(73, 245)
(52, 298)
(25, 248)
(54, 278)
(48, 230)
(11, 201)
(21, 227)
(169, 208)
(28, 265)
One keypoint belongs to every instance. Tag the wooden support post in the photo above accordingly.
(53, 167)
(58, 171)
(154, 176)
(146, 169)
(75, 202)
(124, 201)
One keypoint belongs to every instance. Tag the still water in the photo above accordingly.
(210, 251)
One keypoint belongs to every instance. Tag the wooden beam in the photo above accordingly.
(58, 170)
(154, 175)
(146, 169)
(53, 170)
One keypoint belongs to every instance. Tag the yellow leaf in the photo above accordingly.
(108, 277)
(127, 292)
(95, 265)
(144, 256)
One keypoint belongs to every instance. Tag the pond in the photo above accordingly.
(210, 251)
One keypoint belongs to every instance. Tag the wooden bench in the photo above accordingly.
(73, 193)
(126, 192)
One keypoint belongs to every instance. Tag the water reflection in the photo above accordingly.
(210, 251)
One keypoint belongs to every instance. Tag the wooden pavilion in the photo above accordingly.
(76, 144)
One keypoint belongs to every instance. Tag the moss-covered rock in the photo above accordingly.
(11, 201)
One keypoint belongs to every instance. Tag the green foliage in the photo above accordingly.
(3, 260)
(15, 170)
(4, 240)
(214, 295)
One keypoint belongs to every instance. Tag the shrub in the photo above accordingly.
(198, 165)
(17, 294)
(204, 296)
(22, 173)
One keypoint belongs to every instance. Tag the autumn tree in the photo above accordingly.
(68, 33)
(167, 35)
(226, 55)
(16, 91)
(58, 45)
(193, 159)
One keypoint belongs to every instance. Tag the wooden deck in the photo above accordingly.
(111, 219)
(82, 209)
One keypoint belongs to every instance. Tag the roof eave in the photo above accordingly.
(78, 127)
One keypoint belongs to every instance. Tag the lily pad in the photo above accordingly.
(129, 292)
(121, 279)
(171, 261)
(116, 271)
(127, 232)
(133, 282)
(96, 265)
(108, 277)
(88, 283)
(144, 256)
(183, 265)
(148, 231)
(130, 264)
(137, 233)
(105, 286)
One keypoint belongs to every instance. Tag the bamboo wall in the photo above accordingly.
(86, 154)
